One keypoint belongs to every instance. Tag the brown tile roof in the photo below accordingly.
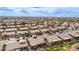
(36, 41)
(15, 46)
(34, 31)
(64, 36)
(53, 38)
(74, 34)
(21, 32)
(8, 33)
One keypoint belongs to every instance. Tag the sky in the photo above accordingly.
(40, 11)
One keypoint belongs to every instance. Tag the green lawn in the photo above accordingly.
(62, 47)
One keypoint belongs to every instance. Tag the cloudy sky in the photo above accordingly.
(40, 11)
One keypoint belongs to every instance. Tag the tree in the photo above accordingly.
(4, 47)
(23, 23)
(47, 43)
(25, 36)
(15, 23)
(4, 25)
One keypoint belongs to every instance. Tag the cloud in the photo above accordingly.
(5, 9)
(71, 12)
(39, 11)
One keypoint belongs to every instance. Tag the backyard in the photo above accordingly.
(61, 47)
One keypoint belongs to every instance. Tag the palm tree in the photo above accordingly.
(26, 36)
(4, 47)
(5, 25)
(23, 23)
(29, 46)
(15, 23)
(1, 33)
(47, 43)
(15, 33)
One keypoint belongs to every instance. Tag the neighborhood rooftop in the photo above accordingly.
(27, 33)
